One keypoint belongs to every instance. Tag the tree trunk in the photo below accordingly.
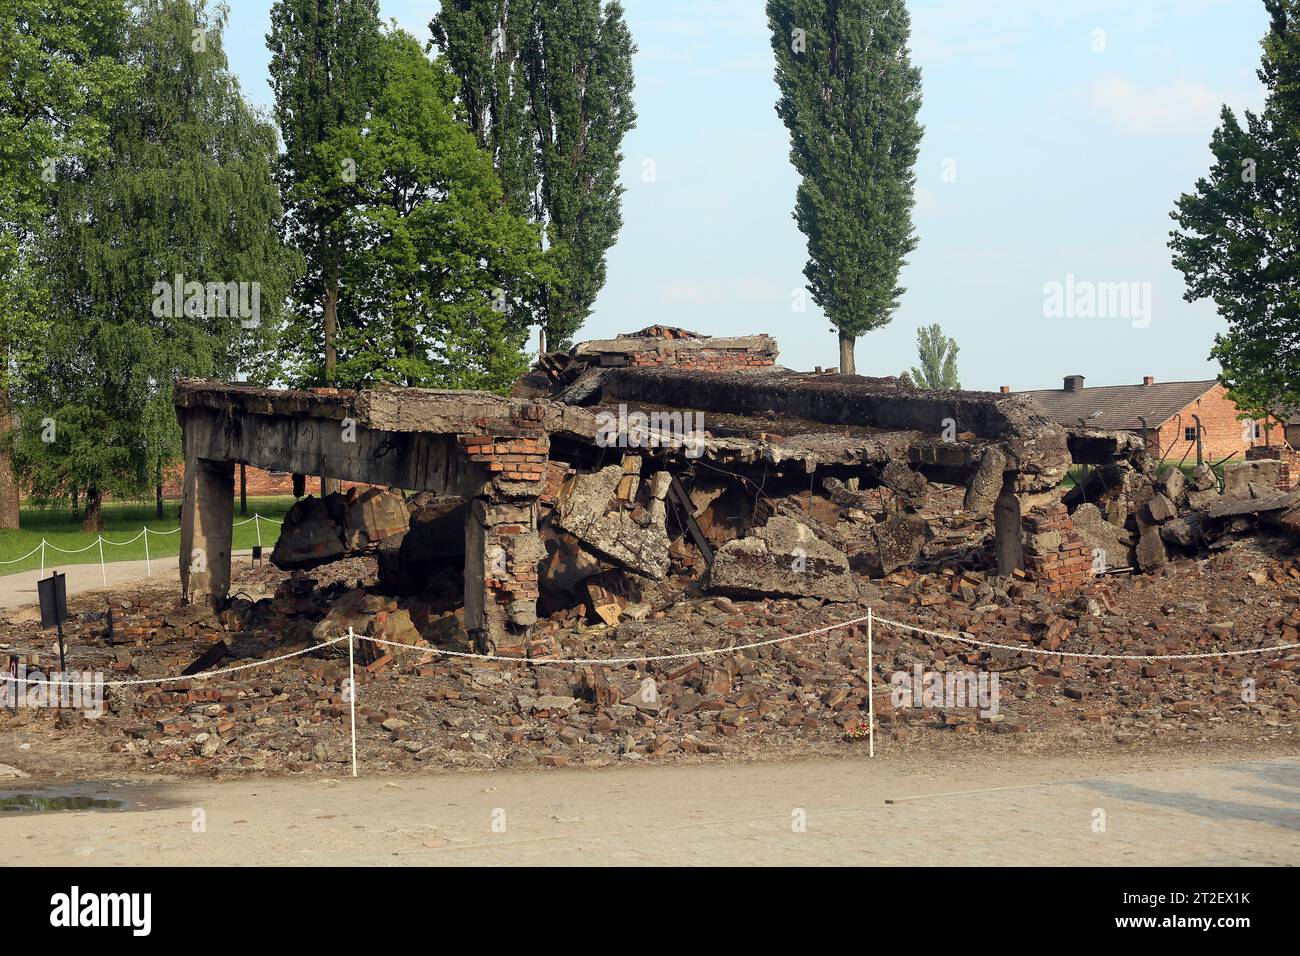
(158, 488)
(9, 499)
(94, 519)
(328, 485)
(847, 366)
(331, 328)
(76, 497)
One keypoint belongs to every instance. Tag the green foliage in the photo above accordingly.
(433, 247)
(186, 189)
(547, 88)
(938, 354)
(1237, 233)
(326, 71)
(849, 97)
(62, 75)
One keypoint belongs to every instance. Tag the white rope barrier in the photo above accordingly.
(144, 532)
(172, 680)
(1105, 657)
(869, 617)
(25, 556)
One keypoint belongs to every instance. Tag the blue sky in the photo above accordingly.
(1069, 147)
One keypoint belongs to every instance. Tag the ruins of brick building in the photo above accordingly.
(625, 470)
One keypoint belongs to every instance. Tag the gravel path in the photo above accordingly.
(1025, 811)
(19, 589)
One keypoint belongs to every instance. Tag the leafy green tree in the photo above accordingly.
(162, 259)
(434, 244)
(325, 71)
(1237, 233)
(938, 354)
(849, 97)
(62, 74)
(547, 89)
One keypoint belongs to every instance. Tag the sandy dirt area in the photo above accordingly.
(1026, 811)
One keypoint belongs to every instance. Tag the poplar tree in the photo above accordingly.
(547, 89)
(938, 355)
(849, 96)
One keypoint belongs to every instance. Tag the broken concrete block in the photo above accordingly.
(986, 484)
(583, 511)
(372, 516)
(355, 609)
(659, 483)
(1138, 488)
(1186, 532)
(1098, 534)
(1199, 498)
(309, 537)
(898, 542)
(397, 626)
(1238, 476)
(1151, 552)
(783, 557)
(1204, 479)
(1161, 508)
(1171, 482)
(910, 486)
(1227, 507)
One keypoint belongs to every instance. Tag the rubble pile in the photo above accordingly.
(417, 707)
(1141, 517)
(665, 493)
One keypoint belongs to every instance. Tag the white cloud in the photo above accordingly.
(1177, 107)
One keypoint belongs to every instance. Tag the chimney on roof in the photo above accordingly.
(1074, 383)
(1148, 380)
(1004, 389)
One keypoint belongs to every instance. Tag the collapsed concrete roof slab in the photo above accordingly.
(944, 430)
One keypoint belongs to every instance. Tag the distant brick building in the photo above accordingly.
(260, 483)
(1164, 413)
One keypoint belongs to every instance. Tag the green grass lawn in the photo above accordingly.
(123, 521)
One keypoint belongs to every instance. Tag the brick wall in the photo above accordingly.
(1223, 431)
(704, 360)
(1289, 458)
(261, 484)
(1055, 557)
(521, 458)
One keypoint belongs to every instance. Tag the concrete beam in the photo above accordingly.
(418, 461)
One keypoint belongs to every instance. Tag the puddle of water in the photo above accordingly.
(39, 803)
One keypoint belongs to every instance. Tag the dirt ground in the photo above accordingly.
(1111, 764)
(1211, 809)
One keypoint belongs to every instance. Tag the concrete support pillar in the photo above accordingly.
(1008, 534)
(207, 516)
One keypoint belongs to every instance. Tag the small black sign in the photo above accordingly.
(257, 553)
(53, 592)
